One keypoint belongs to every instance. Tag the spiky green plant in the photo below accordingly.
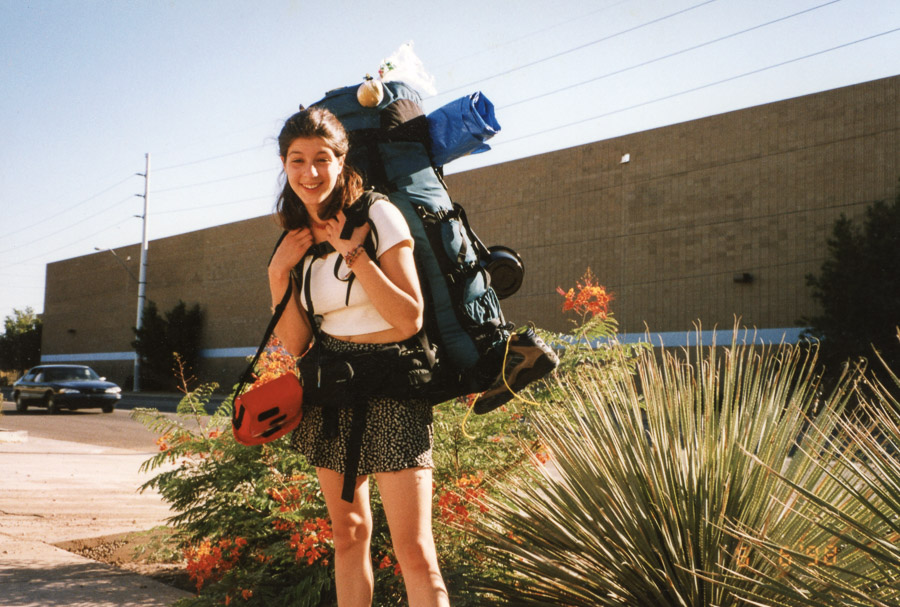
(861, 524)
(647, 469)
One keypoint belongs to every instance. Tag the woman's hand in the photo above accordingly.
(291, 250)
(333, 229)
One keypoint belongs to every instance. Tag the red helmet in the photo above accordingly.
(269, 411)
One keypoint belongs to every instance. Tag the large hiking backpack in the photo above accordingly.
(389, 146)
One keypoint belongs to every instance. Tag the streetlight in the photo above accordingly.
(136, 385)
(121, 263)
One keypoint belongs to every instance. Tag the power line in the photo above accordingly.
(67, 245)
(72, 225)
(215, 205)
(578, 48)
(696, 88)
(529, 35)
(202, 160)
(78, 204)
(202, 183)
(667, 56)
(105, 209)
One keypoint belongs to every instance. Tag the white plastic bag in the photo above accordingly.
(404, 66)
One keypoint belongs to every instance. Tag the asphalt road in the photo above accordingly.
(91, 426)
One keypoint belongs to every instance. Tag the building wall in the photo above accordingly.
(90, 304)
(753, 191)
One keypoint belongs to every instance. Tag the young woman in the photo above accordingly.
(384, 305)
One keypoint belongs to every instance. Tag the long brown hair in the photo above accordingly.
(316, 122)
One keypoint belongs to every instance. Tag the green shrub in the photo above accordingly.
(253, 524)
(242, 513)
(705, 476)
(168, 345)
(649, 469)
(856, 521)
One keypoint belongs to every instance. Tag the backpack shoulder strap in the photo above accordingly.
(270, 329)
(276, 316)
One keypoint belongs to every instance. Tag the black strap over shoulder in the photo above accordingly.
(276, 316)
(270, 329)
(356, 215)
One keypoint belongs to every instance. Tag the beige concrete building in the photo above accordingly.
(705, 220)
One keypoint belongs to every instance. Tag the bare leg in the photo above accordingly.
(352, 528)
(406, 495)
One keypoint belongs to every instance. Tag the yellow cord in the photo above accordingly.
(505, 382)
(466, 419)
(503, 375)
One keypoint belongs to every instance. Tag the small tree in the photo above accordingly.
(160, 338)
(20, 344)
(858, 289)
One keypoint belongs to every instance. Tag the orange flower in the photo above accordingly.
(312, 542)
(454, 504)
(591, 298)
(209, 562)
(163, 441)
(274, 362)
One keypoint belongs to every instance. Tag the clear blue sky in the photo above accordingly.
(88, 87)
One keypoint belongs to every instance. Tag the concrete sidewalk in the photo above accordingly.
(53, 491)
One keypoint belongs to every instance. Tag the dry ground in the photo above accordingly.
(149, 553)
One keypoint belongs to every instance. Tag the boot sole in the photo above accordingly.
(541, 367)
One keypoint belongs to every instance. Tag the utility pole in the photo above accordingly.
(142, 275)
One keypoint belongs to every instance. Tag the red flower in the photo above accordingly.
(274, 362)
(454, 504)
(312, 542)
(591, 298)
(209, 562)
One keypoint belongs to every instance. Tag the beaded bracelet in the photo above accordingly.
(350, 257)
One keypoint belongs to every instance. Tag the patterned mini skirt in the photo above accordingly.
(398, 433)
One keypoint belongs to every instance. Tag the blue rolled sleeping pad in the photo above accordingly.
(389, 146)
(461, 127)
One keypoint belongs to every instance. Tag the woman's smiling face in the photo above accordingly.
(312, 170)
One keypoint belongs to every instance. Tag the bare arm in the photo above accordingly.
(393, 287)
(293, 327)
(392, 284)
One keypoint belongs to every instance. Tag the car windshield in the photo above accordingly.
(70, 374)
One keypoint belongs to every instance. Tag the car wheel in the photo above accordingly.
(21, 405)
(108, 408)
(50, 402)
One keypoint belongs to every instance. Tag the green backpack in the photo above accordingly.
(390, 147)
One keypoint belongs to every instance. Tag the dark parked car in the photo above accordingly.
(65, 386)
